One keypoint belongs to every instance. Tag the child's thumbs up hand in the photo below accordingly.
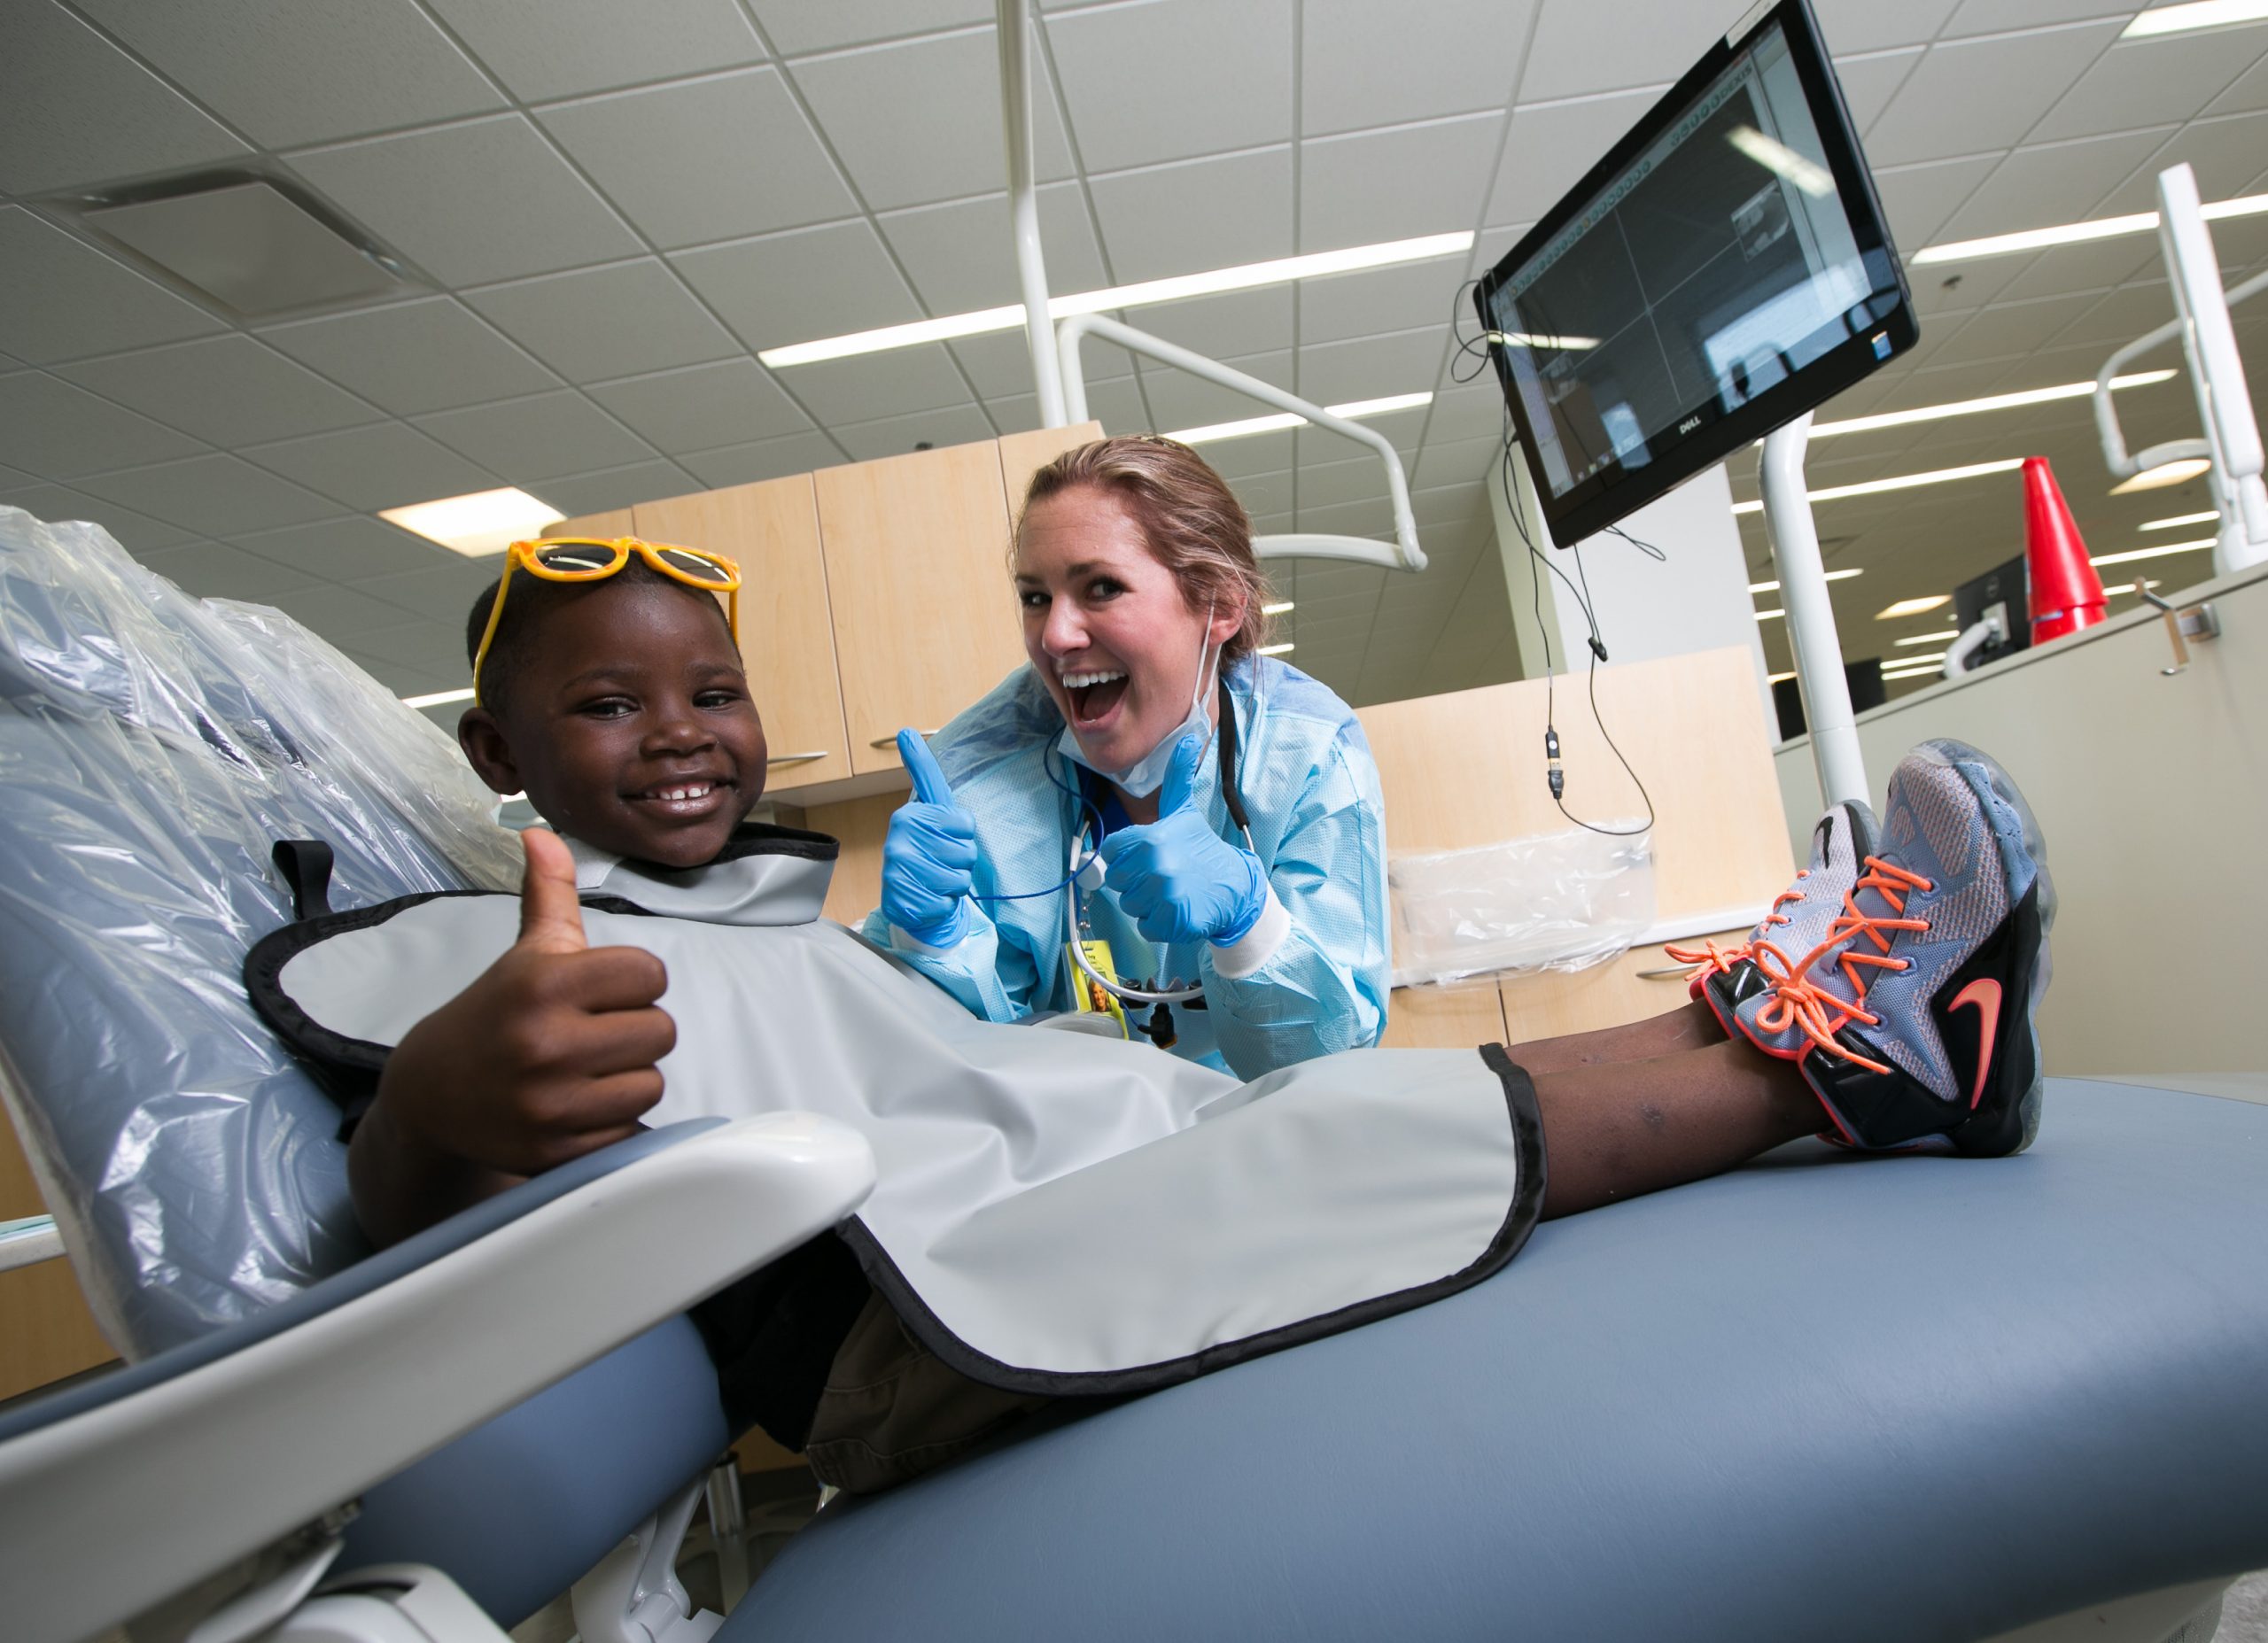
(550, 1054)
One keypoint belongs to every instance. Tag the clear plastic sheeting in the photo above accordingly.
(154, 747)
(1557, 901)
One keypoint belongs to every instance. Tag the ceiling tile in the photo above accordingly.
(1449, 505)
(1371, 368)
(1235, 323)
(1173, 79)
(1400, 429)
(389, 465)
(801, 286)
(288, 72)
(416, 356)
(2097, 267)
(336, 613)
(1869, 83)
(2248, 93)
(1455, 461)
(2226, 153)
(442, 591)
(486, 200)
(763, 459)
(1918, 198)
(557, 47)
(52, 503)
(215, 570)
(59, 431)
(2121, 316)
(1000, 363)
(1969, 95)
(635, 145)
(797, 26)
(1395, 185)
(1196, 216)
(354, 549)
(1383, 299)
(703, 407)
(869, 386)
(1548, 150)
(2012, 327)
(527, 439)
(2142, 82)
(894, 436)
(1264, 495)
(214, 496)
(1326, 485)
(60, 298)
(2043, 184)
(1471, 49)
(1654, 41)
(1869, 26)
(74, 110)
(229, 390)
(595, 323)
(1472, 412)
(1239, 459)
(1120, 407)
(1179, 400)
(1997, 16)
(433, 650)
(946, 90)
(961, 257)
(616, 487)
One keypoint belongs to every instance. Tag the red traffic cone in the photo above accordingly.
(2066, 593)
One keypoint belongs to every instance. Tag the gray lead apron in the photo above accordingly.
(1054, 1211)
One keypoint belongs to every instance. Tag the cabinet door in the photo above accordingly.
(606, 525)
(917, 563)
(1024, 454)
(1644, 981)
(787, 630)
(1459, 1016)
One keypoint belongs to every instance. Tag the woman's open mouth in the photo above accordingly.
(1093, 695)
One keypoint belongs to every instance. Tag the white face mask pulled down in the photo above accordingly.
(1148, 773)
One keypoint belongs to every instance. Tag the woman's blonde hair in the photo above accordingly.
(1191, 520)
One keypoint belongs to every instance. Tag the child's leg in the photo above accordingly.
(1615, 1130)
(1690, 1026)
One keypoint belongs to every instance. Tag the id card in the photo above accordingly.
(1088, 998)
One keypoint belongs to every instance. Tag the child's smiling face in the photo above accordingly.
(629, 725)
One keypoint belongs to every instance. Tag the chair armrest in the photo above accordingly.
(191, 1469)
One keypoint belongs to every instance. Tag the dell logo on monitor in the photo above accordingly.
(1688, 424)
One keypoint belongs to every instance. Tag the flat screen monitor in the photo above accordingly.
(2004, 591)
(1724, 269)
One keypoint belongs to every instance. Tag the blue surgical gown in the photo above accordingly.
(1311, 791)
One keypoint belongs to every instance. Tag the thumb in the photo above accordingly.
(1181, 776)
(551, 914)
(929, 784)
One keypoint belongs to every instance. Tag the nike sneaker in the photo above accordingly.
(1728, 980)
(1917, 1008)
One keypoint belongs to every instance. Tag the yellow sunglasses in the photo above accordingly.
(594, 559)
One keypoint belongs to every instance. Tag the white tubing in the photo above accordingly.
(2216, 371)
(1023, 202)
(1810, 618)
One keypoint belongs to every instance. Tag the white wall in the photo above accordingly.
(1697, 599)
(2152, 794)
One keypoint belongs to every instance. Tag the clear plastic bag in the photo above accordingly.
(153, 746)
(1557, 901)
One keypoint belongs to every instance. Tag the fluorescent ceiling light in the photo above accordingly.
(2163, 475)
(1899, 482)
(1991, 402)
(1779, 677)
(1912, 607)
(1930, 661)
(1385, 254)
(1277, 610)
(1286, 419)
(1925, 639)
(2076, 233)
(1832, 575)
(1274, 650)
(1766, 616)
(2128, 587)
(2178, 520)
(1540, 340)
(1778, 157)
(485, 522)
(2177, 19)
(439, 699)
(2152, 553)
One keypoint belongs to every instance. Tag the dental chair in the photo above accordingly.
(1822, 1396)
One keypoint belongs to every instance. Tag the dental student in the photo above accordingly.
(1226, 802)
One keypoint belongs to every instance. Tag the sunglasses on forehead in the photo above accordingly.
(594, 559)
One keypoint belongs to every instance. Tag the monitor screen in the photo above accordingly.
(1724, 269)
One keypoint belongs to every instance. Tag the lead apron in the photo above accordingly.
(1053, 1212)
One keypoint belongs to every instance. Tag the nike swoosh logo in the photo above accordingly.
(1985, 994)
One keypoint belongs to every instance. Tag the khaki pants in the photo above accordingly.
(892, 1410)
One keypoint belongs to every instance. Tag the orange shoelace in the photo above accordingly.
(1710, 957)
(1801, 1001)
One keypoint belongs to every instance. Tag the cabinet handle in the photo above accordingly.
(793, 758)
(890, 740)
(1663, 975)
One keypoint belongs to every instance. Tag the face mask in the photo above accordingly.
(1148, 773)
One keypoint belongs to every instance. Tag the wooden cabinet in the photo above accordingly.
(46, 1331)
(1455, 1017)
(787, 637)
(1644, 981)
(608, 526)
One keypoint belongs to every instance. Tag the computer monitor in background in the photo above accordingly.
(2006, 589)
(1724, 269)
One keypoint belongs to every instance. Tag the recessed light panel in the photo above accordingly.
(248, 246)
(482, 522)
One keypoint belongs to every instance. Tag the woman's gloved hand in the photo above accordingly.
(1177, 879)
(928, 854)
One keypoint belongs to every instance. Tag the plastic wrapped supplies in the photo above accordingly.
(154, 747)
(1557, 901)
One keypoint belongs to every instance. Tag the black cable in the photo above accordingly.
(1643, 546)
(1474, 347)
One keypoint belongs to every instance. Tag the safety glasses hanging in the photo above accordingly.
(594, 559)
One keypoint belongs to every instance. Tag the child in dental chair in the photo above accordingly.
(1894, 985)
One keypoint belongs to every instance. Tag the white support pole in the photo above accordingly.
(1810, 618)
(1023, 203)
(2216, 371)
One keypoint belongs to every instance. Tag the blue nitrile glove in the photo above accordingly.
(1177, 879)
(928, 854)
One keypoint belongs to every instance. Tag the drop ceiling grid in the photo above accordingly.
(1439, 117)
